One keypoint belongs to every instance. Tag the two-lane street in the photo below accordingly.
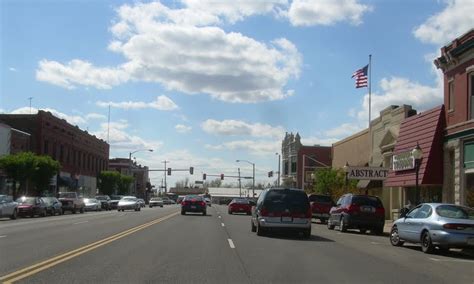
(159, 245)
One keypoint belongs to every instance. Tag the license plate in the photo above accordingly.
(241, 209)
(367, 209)
(470, 241)
(286, 219)
(193, 207)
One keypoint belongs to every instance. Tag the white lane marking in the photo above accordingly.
(3, 236)
(231, 243)
(82, 222)
(374, 243)
(452, 260)
(222, 224)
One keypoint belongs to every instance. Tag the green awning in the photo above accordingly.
(469, 156)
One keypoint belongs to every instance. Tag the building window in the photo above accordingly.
(54, 151)
(471, 90)
(46, 147)
(61, 153)
(451, 95)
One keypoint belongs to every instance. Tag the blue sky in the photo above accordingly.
(204, 83)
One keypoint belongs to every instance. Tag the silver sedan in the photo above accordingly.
(435, 225)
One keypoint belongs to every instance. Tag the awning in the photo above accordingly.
(368, 184)
(426, 130)
(66, 181)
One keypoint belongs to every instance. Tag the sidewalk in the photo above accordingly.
(388, 226)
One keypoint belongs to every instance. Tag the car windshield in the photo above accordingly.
(320, 198)
(280, 200)
(193, 198)
(156, 199)
(67, 195)
(128, 199)
(26, 200)
(101, 197)
(455, 212)
(366, 201)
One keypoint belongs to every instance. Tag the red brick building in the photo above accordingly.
(81, 155)
(457, 63)
(311, 158)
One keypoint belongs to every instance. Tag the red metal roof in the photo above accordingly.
(426, 129)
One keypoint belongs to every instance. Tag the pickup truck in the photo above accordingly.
(71, 202)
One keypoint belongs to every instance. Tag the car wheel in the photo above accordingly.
(395, 237)
(342, 225)
(260, 230)
(426, 244)
(249, 213)
(62, 211)
(323, 221)
(204, 213)
(44, 213)
(307, 233)
(53, 212)
(74, 210)
(14, 215)
(330, 225)
(81, 210)
(363, 231)
(151, 206)
(252, 226)
(183, 212)
(230, 212)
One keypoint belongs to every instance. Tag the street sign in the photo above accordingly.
(367, 173)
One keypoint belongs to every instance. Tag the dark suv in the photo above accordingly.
(363, 212)
(282, 208)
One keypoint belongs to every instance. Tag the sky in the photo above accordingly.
(204, 83)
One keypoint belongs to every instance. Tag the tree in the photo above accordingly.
(333, 182)
(124, 184)
(108, 182)
(24, 167)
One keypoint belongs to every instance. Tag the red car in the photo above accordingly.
(320, 206)
(31, 206)
(240, 205)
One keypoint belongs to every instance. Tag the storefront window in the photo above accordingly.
(469, 189)
(469, 155)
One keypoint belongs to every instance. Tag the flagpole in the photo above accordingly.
(370, 103)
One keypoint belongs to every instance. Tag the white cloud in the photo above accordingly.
(260, 147)
(97, 116)
(78, 72)
(345, 129)
(326, 12)
(161, 103)
(155, 40)
(13, 69)
(456, 19)
(181, 128)
(120, 137)
(73, 119)
(237, 127)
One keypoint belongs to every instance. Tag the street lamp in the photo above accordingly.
(278, 183)
(417, 155)
(130, 161)
(253, 180)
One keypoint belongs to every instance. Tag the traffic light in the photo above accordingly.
(270, 174)
(169, 171)
(203, 176)
(222, 176)
(191, 170)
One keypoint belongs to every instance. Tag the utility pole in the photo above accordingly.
(166, 186)
(30, 98)
(240, 185)
(278, 169)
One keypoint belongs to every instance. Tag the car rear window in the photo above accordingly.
(67, 195)
(280, 200)
(26, 200)
(320, 198)
(366, 201)
(455, 212)
(240, 201)
(195, 198)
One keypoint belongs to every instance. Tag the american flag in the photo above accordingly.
(361, 77)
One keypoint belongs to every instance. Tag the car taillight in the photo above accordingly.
(203, 203)
(264, 212)
(353, 208)
(184, 203)
(456, 226)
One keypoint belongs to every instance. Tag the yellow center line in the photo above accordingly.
(33, 269)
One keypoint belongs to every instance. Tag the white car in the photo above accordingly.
(8, 207)
(156, 201)
(129, 203)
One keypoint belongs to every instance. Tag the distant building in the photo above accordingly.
(139, 172)
(82, 156)
(300, 161)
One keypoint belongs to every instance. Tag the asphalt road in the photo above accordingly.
(158, 245)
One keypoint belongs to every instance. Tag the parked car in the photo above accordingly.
(128, 203)
(142, 202)
(71, 201)
(53, 206)
(282, 209)
(433, 225)
(155, 201)
(193, 203)
(92, 204)
(239, 205)
(31, 206)
(168, 201)
(114, 200)
(8, 207)
(363, 212)
(320, 206)
(104, 201)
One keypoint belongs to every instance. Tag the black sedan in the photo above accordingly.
(193, 203)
